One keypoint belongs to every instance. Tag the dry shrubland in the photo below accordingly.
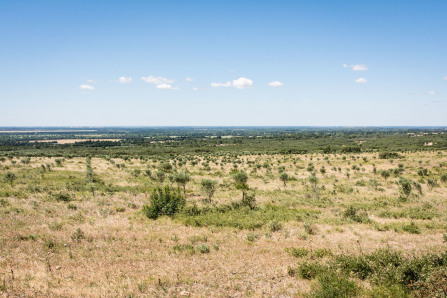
(77, 226)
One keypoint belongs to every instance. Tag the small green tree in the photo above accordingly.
(405, 187)
(431, 183)
(240, 182)
(166, 167)
(182, 178)
(160, 175)
(91, 187)
(9, 177)
(208, 187)
(313, 180)
(88, 170)
(323, 170)
(444, 177)
(284, 177)
(25, 160)
(385, 174)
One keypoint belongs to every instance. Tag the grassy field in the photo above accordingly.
(334, 225)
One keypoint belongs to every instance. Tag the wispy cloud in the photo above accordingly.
(431, 92)
(86, 87)
(124, 80)
(166, 86)
(215, 85)
(361, 80)
(157, 80)
(356, 67)
(195, 88)
(275, 84)
(160, 82)
(445, 78)
(189, 79)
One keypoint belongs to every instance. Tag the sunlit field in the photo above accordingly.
(225, 224)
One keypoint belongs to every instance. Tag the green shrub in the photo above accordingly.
(203, 248)
(388, 155)
(331, 284)
(249, 200)
(353, 213)
(310, 270)
(164, 201)
(251, 237)
(405, 186)
(188, 248)
(274, 226)
(78, 235)
(322, 252)
(298, 252)
(434, 286)
(444, 178)
(412, 228)
(9, 177)
(310, 228)
(62, 197)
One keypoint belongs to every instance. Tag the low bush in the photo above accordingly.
(356, 215)
(298, 252)
(164, 201)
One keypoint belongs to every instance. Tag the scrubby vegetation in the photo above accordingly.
(232, 212)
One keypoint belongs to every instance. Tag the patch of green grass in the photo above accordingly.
(187, 248)
(239, 217)
(298, 252)
(331, 284)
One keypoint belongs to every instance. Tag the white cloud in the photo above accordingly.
(91, 81)
(166, 86)
(86, 87)
(356, 67)
(160, 82)
(445, 78)
(275, 84)
(188, 79)
(195, 88)
(359, 67)
(361, 80)
(215, 85)
(124, 80)
(305, 100)
(242, 83)
(157, 80)
(431, 92)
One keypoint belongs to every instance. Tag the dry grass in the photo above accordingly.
(122, 253)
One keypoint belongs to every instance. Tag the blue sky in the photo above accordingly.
(320, 62)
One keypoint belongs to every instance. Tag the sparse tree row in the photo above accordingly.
(146, 141)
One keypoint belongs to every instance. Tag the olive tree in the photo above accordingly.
(208, 187)
(240, 182)
(182, 178)
(284, 177)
